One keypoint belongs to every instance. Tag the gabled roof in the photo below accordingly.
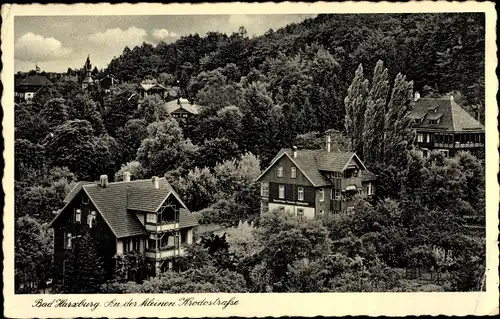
(34, 80)
(313, 162)
(453, 117)
(184, 104)
(149, 86)
(116, 202)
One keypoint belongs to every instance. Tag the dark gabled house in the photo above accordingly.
(107, 82)
(26, 88)
(146, 89)
(182, 108)
(443, 125)
(312, 183)
(141, 216)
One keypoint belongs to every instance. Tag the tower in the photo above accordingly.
(87, 68)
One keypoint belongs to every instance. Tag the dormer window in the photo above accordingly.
(418, 121)
(279, 171)
(91, 219)
(78, 216)
(85, 200)
(436, 121)
(293, 172)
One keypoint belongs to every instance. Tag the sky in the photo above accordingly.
(57, 43)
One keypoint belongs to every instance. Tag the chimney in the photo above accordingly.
(156, 182)
(451, 98)
(294, 151)
(103, 181)
(126, 176)
(328, 143)
(416, 96)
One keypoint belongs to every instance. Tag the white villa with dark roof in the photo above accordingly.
(443, 125)
(141, 216)
(312, 183)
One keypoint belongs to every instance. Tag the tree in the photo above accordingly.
(153, 109)
(84, 269)
(374, 117)
(74, 145)
(119, 107)
(165, 148)
(130, 137)
(43, 95)
(216, 151)
(33, 255)
(399, 135)
(134, 168)
(82, 107)
(54, 112)
(315, 140)
(355, 105)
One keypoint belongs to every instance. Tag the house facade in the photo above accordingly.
(441, 124)
(146, 89)
(312, 183)
(144, 217)
(26, 88)
(182, 108)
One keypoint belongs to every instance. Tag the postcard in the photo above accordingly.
(250, 159)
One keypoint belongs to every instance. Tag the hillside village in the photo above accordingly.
(309, 159)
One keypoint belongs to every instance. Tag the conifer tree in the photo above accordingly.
(374, 117)
(355, 105)
(84, 269)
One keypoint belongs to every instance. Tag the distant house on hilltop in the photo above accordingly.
(141, 216)
(26, 88)
(108, 82)
(312, 183)
(150, 88)
(182, 108)
(443, 125)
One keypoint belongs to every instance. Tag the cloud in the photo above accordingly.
(162, 34)
(118, 38)
(33, 47)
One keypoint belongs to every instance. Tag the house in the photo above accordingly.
(88, 81)
(107, 82)
(443, 125)
(312, 183)
(141, 216)
(182, 108)
(148, 88)
(26, 88)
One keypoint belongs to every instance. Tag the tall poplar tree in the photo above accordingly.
(399, 134)
(374, 117)
(355, 106)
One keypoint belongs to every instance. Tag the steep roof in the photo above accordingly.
(184, 104)
(313, 162)
(452, 117)
(34, 80)
(115, 202)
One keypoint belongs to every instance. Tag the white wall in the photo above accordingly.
(119, 246)
(308, 211)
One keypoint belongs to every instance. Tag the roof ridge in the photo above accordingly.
(452, 114)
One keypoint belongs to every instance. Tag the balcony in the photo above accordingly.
(158, 228)
(164, 253)
(350, 181)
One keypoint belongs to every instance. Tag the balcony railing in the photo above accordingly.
(350, 181)
(162, 227)
(167, 252)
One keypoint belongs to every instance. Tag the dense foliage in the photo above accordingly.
(348, 76)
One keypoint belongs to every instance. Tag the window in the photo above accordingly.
(281, 191)
(279, 171)
(78, 216)
(427, 138)
(91, 219)
(126, 245)
(300, 213)
(293, 172)
(417, 121)
(136, 244)
(264, 189)
(369, 190)
(85, 200)
(420, 137)
(300, 193)
(321, 195)
(336, 194)
(67, 240)
(434, 121)
(151, 218)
